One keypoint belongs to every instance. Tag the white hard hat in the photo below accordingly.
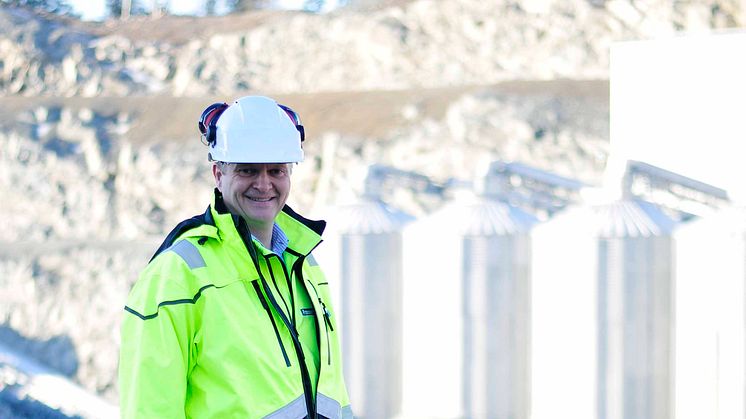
(253, 129)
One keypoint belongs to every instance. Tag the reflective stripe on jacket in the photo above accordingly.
(203, 335)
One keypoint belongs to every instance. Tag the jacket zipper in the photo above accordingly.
(245, 234)
(255, 284)
(277, 288)
(290, 289)
(327, 324)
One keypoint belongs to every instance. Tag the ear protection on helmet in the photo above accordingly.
(208, 121)
(296, 121)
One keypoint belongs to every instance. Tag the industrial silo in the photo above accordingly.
(711, 316)
(362, 257)
(466, 307)
(602, 312)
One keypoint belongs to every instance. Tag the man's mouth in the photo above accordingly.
(258, 199)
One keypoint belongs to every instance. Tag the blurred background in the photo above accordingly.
(535, 208)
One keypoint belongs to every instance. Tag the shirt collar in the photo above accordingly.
(279, 240)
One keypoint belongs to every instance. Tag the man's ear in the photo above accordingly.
(218, 175)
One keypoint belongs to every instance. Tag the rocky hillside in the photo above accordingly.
(425, 43)
(100, 156)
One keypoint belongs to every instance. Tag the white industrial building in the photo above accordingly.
(365, 251)
(602, 313)
(678, 103)
(711, 316)
(466, 288)
(630, 304)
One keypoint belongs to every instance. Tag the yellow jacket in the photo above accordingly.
(203, 335)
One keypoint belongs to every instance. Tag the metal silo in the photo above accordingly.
(602, 311)
(466, 311)
(711, 316)
(365, 240)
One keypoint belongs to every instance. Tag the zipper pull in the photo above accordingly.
(327, 315)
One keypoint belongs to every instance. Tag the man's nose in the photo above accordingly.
(262, 180)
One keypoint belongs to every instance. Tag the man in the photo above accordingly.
(231, 318)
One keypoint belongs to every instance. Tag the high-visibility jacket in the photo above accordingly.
(203, 334)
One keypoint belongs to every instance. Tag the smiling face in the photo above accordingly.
(255, 191)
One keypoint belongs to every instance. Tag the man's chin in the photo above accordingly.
(260, 215)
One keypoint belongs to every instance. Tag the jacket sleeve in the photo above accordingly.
(156, 343)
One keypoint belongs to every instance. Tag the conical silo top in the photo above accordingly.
(617, 219)
(480, 216)
(366, 216)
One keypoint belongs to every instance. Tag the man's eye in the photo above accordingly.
(276, 172)
(246, 172)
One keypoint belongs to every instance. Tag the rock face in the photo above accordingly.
(91, 182)
(62, 303)
(69, 175)
(425, 43)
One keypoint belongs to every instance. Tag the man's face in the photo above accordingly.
(255, 191)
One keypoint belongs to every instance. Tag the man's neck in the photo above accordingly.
(263, 234)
